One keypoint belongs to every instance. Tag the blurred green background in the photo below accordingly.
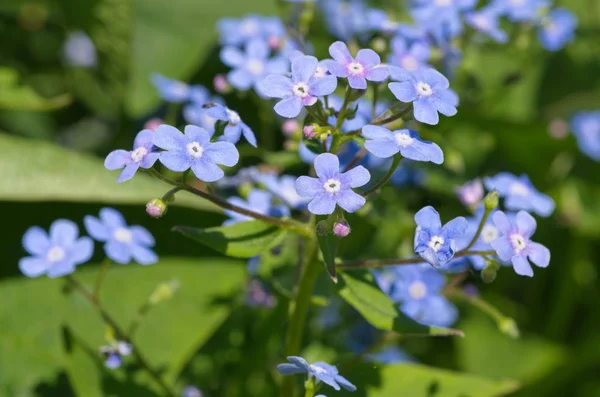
(57, 123)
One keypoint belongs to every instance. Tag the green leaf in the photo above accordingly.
(34, 170)
(172, 38)
(379, 310)
(18, 97)
(415, 380)
(329, 244)
(240, 240)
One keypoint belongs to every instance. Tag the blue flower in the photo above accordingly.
(240, 31)
(557, 29)
(345, 19)
(486, 20)
(434, 243)
(56, 253)
(418, 289)
(191, 391)
(284, 188)
(114, 354)
(441, 18)
(428, 90)
(409, 57)
(194, 150)
(171, 90)
(332, 187)
(379, 20)
(258, 201)
(520, 10)
(251, 66)
(514, 243)
(122, 243)
(79, 50)
(142, 155)
(235, 127)
(301, 90)
(366, 66)
(385, 143)
(586, 128)
(408, 174)
(520, 194)
(323, 372)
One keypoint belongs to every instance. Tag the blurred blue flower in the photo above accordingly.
(258, 296)
(302, 89)
(366, 66)
(434, 243)
(428, 90)
(332, 187)
(520, 194)
(379, 20)
(408, 174)
(171, 90)
(557, 29)
(258, 201)
(441, 17)
(114, 353)
(239, 31)
(283, 187)
(56, 253)
(323, 372)
(413, 56)
(194, 150)
(471, 193)
(418, 289)
(79, 50)
(586, 128)
(235, 127)
(488, 234)
(345, 19)
(122, 243)
(385, 143)
(486, 20)
(142, 155)
(514, 244)
(244, 175)
(363, 336)
(191, 391)
(520, 10)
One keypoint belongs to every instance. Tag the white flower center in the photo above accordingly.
(300, 90)
(489, 233)
(403, 139)
(423, 89)
(255, 66)
(320, 72)
(518, 242)
(138, 154)
(409, 62)
(355, 69)
(55, 254)
(332, 186)
(481, 22)
(318, 370)
(436, 243)
(233, 116)
(123, 235)
(195, 150)
(417, 290)
(249, 27)
(519, 189)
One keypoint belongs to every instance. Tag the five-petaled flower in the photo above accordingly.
(514, 243)
(332, 187)
(194, 150)
(142, 155)
(427, 89)
(409, 57)
(323, 372)
(302, 89)
(520, 194)
(385, 143)
(235, 126)
(56, 253)
(486, 20)
(121, 242)
(434, 243)
(366, 66)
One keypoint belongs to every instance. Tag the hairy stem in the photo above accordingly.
(342, 114)
(375, 263)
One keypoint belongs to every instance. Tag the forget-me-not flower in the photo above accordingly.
(441, 17)
(514, 243)
(323, 372)
(345, 19)
(194, 150)
(520, 194)
(385, 143)
(557, 29)
(486, 20)
(121, 242)
(258, 201)
(239, 31)
(79, 50)
(489, 233)
(409, 56)
(434, 243)
(366, 66)
(586, 128)
(142, 155)
(235, 127)
(332, 187)
(171, 90)
(302, 89)
(427, 89)
(56, 253)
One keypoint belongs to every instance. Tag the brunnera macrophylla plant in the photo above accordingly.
(355, 116)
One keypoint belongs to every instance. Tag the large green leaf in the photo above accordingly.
(40, 171)
(240, 240)
(173, 37)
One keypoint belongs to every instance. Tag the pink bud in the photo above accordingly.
(153, 124)
(471, 192)
(341, 229)
(274, 43)
(558, 128)
(289, 127)
(309, 132)
(156, 208)
(221, 84)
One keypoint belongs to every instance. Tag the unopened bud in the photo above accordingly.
(309, 132)
(509, 327)
(274, 43)
(379, 45)
(491, 200)
(156, 208)
(221, 84)
(289, 127)
(341, 229)
(153, 124)
(163, 291)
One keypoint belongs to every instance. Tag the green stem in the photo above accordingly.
(375, 99)
(342, 113)
(386, 177)
(309, 387)
(100, 276)
(374, 263)
(295, 226)
(486, 215)
(361, 153)
(383, 121)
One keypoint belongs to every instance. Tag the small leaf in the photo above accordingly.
(329, 244)
(241, 240)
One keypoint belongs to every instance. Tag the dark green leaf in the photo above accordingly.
(329, 244)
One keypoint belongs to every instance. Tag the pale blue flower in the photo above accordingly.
(586, 129)
(258, 201)
(143, 155)
(557, 29)
(79, 50)
(366, 66)
(322, 372)
(385, 143)
(171, 90)
(520, 194)
(235, 127)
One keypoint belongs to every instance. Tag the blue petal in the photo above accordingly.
(249, 135)
(112, 218)
(143, 138)
(118, 252)
(206, 170)
(63, 232)
(357, 82)
(327, 166)
(308, 187)
(143, 255)
(128, 172)
(117, 159)
(538, 254)
(36, 241)
(61, 269)
(345, 383)
(232, 57)
(501, 222)
(349, 200)
(356, 177)
(522, 266)
(224, 153)
(303, 68)
(276, 86)
(169, 138)
(404, 91)
(141, 235)
(176, 161)
(289, 107)
(197, 134)
(322, 204)
(383, 147)
(425, 112)
(81, 251)
(526, 224)
(455, 228)
(289, 369)
(323, 85)
(428, 218)
(33, 266)
(376, 132)
(503, 248)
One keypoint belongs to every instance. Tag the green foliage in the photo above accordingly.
(14, 96)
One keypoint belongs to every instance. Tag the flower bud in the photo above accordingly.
(153, 124)
(509, 327)
(163, 292)
(156, 208)
(221, 84)
(471, 193)
(274, 43)
(309, 132)
(341, 229)
(289, 127)
(491, 200)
